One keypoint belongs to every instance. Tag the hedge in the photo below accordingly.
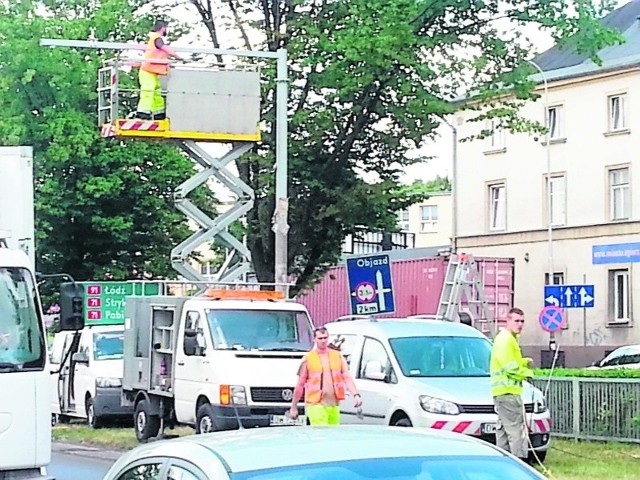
(583, 372)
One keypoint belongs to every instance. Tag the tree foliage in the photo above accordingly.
(103, 208)
(370, 80)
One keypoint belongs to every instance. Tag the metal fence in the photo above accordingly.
(594, 408)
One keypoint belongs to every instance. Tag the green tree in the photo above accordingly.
(370, 80)
(103, 207)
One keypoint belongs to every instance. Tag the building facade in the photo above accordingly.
(567, 211)
(429, 221)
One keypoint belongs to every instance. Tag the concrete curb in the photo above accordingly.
(90, 451)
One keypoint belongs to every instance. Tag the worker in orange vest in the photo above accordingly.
(324, 376)
(156, 54)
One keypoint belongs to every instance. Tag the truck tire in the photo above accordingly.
(541, 456)
(204, 419)
(145, 424)
(93, 420)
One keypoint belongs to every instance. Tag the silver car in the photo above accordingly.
(319, 453)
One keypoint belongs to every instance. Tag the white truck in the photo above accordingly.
(88, 384)
(220, 361)
(25, 411)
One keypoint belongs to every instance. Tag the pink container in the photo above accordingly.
(417, 285)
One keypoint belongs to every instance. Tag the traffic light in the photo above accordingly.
(71, 306)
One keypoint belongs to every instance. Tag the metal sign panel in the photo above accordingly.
(616, 253)
(104, 301)
(222, 101)
(370, 285)
(569, 296)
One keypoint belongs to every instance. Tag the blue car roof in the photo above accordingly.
(288, 446)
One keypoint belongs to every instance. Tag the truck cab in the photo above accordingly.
(87, 375)
(213, 362)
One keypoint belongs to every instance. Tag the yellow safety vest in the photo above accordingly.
(313, 385)
(508, 368)
(153, 53)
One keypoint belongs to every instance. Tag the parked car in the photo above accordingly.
(623, 357)
(428, 373)
(87, 375)
(321, 453)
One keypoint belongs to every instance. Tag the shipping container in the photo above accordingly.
(417, 284)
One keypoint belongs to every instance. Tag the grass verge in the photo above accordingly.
(577, 460)
(111, 438)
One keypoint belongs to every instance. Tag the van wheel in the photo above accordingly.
(204, 419)
(92, 419)
(402, 422)
(145, 424)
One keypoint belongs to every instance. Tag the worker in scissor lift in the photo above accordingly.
(151, 105)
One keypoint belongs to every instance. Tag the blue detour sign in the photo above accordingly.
(569, 296)
(370, 285)
(552, 319)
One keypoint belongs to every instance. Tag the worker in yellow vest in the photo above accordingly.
(508, 370)
(156, 63)
(324, 377)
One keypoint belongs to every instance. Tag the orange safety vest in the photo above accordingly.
(153, 53)
(313, 385)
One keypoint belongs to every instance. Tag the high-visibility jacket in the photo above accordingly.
(313, 385)
(508, 368)
(153, 53)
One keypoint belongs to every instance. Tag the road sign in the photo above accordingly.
(370, 285)
(569, 296)
(104, 301)
(552, 319)
(616, 253)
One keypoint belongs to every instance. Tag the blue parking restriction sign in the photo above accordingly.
(370, 285)
(552, 319)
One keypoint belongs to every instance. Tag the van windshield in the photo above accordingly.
(442, 356)
(22, 337)
(260, 330)
(108, 345)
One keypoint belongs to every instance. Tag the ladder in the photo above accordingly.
(462, 280)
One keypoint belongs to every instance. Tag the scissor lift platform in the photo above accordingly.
(202, 103)
(133, 127)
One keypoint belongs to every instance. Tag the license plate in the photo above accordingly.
(488, 428)
(280, 420)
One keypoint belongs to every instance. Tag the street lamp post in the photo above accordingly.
(454, 187)
(550, 280)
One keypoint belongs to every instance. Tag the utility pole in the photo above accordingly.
(281, 212)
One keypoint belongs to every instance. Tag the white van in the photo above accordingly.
(428, 373)
(86, 369)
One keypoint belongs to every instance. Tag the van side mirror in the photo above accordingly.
(80, 357)
(373, 371)
(71, 306)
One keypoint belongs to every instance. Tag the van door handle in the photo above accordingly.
(181, 363)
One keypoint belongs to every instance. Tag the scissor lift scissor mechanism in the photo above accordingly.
(203, 104)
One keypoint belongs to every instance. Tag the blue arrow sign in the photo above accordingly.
(370, 285)
(569, 296)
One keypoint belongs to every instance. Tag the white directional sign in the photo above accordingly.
(569, 296)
